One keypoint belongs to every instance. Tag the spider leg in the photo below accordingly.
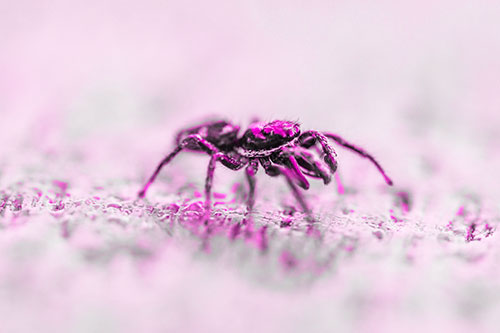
(360, 151)
(315, 168)
(274, 171)
(251, 171)
(302, 181)
(164, 162)
(203, 144)
(309, 138)
(287, 158)
(311, 166)
(227, 161)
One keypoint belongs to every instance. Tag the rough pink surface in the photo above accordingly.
(91, 93)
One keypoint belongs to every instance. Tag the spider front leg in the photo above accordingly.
(311, 165)
(309, 138)
(192, 139)
(287, 158)
(359, 151)
(274, 171)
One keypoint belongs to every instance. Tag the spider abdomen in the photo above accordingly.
(221, 134)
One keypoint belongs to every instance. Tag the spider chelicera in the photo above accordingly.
(278, 146)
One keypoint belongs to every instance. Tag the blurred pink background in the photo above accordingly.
(108, 82)
(385, 73)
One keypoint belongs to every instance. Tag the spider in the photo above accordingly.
(278, 146)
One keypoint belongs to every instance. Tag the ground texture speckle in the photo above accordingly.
(81, 253)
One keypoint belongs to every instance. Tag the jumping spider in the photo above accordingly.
(279, 147)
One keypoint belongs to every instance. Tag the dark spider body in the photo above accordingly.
(278, 146)
(219, 133)
(263, 139)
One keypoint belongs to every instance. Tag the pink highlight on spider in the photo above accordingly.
(279, 147)
(277, 127)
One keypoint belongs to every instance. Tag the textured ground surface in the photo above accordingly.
(80, 253)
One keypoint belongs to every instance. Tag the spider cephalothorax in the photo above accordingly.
(278, 146)
(263, 138)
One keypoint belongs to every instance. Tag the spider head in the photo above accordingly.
(271, 135)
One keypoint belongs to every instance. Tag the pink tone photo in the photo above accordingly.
(249, 166)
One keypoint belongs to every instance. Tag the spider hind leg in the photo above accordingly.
(186, 143)
(165, 161)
